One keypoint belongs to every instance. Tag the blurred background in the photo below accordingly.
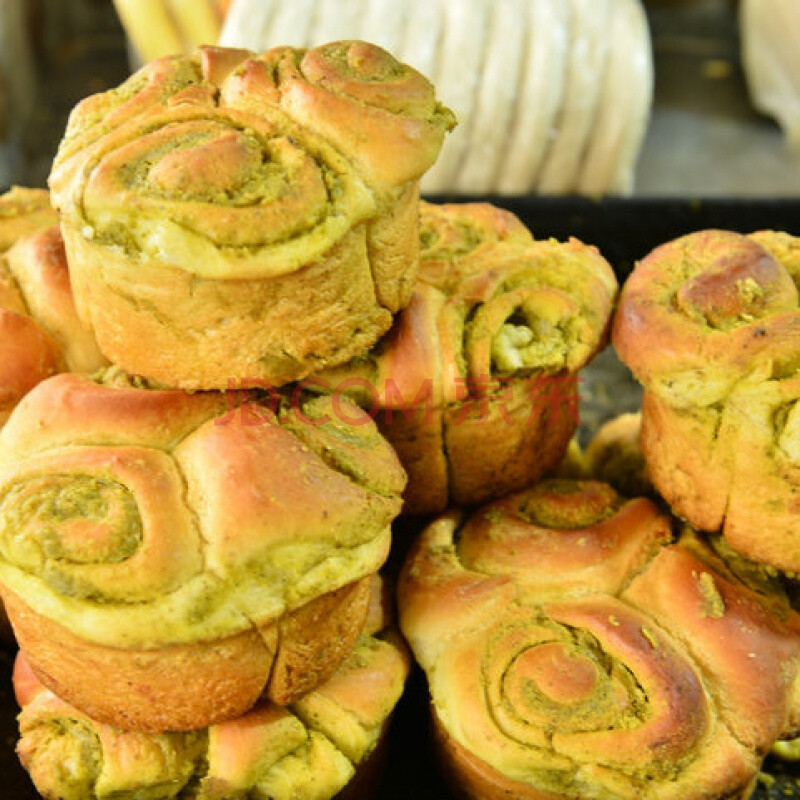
(703, 135)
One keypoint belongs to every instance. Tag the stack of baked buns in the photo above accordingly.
(40, 333)
(485, 358)
(328, 742)
(190, 572)
(578, 643)
(274, 348)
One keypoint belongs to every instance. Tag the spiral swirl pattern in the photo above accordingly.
(384, 113)
(709, 324)
(700, 314)
(213, 218)
(35, 507)
(485, 357)
(554, 674)
(214, 191)
(147, 530)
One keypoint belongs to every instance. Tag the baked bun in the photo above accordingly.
(571, 651)
(485, 357)
(710, 325)
(325, 742)
(24, 211)
(164, 563)
(27, 354)
(218, 229)
(614, 455)
(40, 333)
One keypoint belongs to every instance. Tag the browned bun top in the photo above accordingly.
(228, 164)
(383, 113)
(491, 303)
(701, 313)
(138, 517)
(563, 536)
(745, 643)
(458, 240)
(572, 649)
(320, 741)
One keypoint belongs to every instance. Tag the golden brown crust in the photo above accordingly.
(38, 264)
(747, 653)
(710, 325)
(458, 240)
(702, 312)
(215, 234)
(315, 639)
(385, 114)
(521, 436)
(190, 686)
(484, 358)
(153, 530)
(699, 490)
(27, 357)
(732, 466)
(572, 651)
(563, 537)
(333, 737)
(40, 334)
(184, 687)
(469, 777)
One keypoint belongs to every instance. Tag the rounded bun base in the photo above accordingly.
(192, 686)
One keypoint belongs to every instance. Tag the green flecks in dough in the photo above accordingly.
(713, 604)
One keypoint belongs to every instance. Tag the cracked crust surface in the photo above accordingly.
(142, 521)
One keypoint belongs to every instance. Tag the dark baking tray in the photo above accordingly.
(625, 230)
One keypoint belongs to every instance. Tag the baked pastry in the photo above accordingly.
(710, 325)
(165, 563)
(485, 357)
(226, 217)
(571, 651)
(24, 211)
(326, 743)
(40, 333)
(614, 455)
